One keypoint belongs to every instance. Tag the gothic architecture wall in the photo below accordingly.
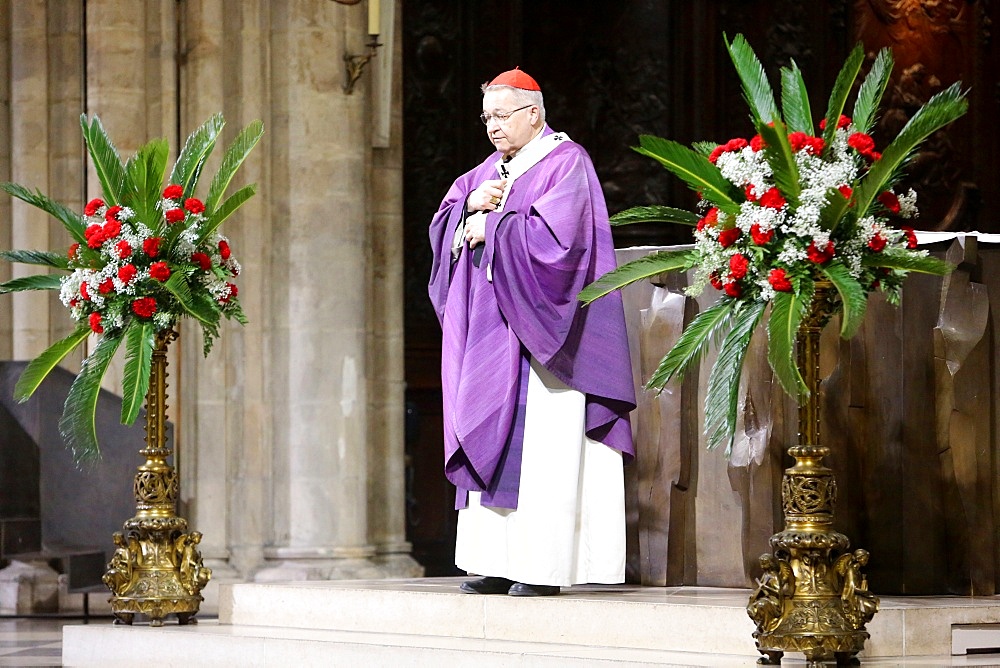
(289, 436)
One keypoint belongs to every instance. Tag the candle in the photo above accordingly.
(374, 18)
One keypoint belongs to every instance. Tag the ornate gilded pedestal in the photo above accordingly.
(812, 597)
(156, 569)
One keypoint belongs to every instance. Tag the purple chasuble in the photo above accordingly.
(551, 239)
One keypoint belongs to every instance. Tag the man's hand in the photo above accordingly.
(487, 196)
(475, 230)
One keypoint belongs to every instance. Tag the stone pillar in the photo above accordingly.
(319, 277)
(206, 386)
(128, 87)
(387, 487)
(6, 311)
(29, 148)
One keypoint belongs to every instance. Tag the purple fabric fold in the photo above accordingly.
(551, 240)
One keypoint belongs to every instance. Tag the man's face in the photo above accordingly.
(511, 135)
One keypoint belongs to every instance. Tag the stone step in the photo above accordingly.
(429, 622)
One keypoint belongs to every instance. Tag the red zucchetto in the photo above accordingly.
(515, 78)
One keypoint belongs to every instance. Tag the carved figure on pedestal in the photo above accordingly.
(119, 573)
(767, 602)
(193, 575)
(860, 605)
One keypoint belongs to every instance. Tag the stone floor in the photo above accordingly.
(400, 623)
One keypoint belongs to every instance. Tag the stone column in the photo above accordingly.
(127, 87)
(387, 484)
(6, 311)
(29, 148)
(320, 264)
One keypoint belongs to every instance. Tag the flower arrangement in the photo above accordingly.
(144, 256)
(779, 212)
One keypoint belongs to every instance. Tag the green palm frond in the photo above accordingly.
(795, 100)
(231, 161)
(704, 148)
(38, 369)
(852, 296)
(841, 89)
(107, 161)
(903, 261)
(70, 220)
(144, 177)
(787, 309)
(140, 339)
(636, 270)
(692, 168)
(36, 282)
(756, 88)
(835, 212)
(779, 155)
(228, 208)
(196, 150)
(78, 423)
(722, 397)
(871, 91)
(37, 257)
(693, 343)
(654, 214)
(943, 108)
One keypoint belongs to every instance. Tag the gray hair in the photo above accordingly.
(522, 97)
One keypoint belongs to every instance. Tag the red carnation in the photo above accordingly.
(738, 265)
(224, 251)
(160, 271)
(911, 237)
(174, 216)
(760, 237)
(842, 122)
(877, 243)
(733, 289)
(94, 235)
(202, 260)
(95, 323)
(106, 286)
(126, 273)
(728, 237)
(750, 193)
(111, 229)
(710, 218)
(732, 145)
(112, 213)
(173, 191)
(815, 145)
(715, 280)
(889, 201)
(820, 256)
(233, 291)
(797, 140)
(779, 280)
(846, 191)
(124, 249)
(772, 199)
(83, 290)
(144, 307)
(71, 253)
(757, 143)
(92, 206)
(151, 246)
(194, 205)
(863, 144)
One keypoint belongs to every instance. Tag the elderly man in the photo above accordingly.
(536, 389)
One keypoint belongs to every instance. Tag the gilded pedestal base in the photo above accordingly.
(812, 597)
(156, 569)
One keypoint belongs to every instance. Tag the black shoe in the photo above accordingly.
(487, 585)
(522, 589)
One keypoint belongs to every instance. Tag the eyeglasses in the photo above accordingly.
(500, 117)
